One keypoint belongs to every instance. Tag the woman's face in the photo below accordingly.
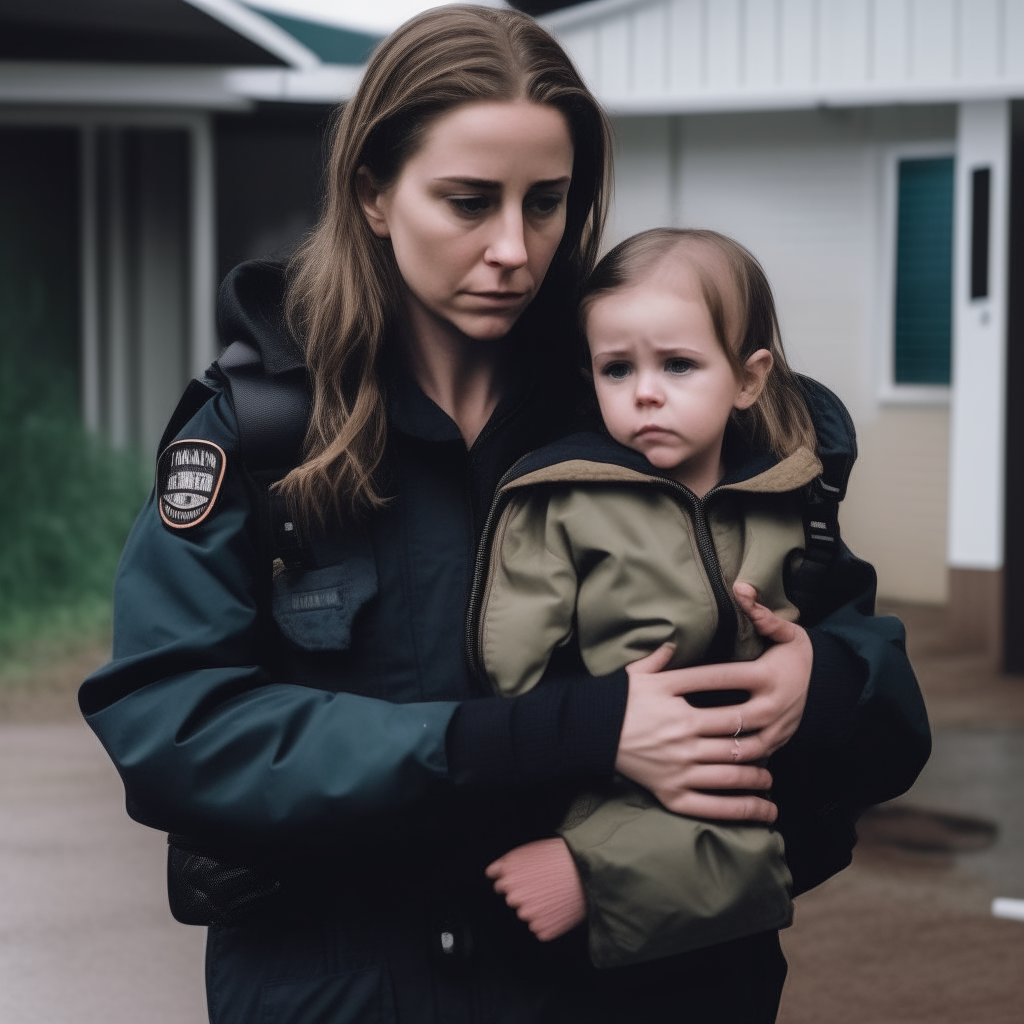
(477, 213)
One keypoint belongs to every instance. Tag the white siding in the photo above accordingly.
(743, 54)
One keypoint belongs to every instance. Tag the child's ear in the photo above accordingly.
(755, 374)
(370, 196)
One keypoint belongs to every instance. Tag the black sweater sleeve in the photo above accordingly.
(567, 728)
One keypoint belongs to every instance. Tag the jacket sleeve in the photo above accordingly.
(864, 736)
(210, 745)
(207, 743)
(530, 597)
(659, 884)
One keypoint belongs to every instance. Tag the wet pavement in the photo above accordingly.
(85, 934)
(904, 936)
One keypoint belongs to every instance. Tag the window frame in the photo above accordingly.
(889, 391)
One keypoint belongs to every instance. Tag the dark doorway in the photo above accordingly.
(269, 180)
(39, 265)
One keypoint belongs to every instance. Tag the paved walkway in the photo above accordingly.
(899, 938)
(85, 934)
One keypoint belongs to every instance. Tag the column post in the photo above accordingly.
(203, 348)
(978, 406)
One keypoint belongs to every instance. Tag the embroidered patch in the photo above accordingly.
(188, 478)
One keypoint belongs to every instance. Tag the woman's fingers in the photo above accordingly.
(729, 776)
(736, 750)
(765, 621)
(723, 808)
(655, 661)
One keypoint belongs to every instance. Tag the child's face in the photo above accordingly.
(664, 385)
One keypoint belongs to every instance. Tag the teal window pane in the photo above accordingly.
(924, 271)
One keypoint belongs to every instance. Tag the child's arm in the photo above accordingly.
(650, 883)
(656, 883)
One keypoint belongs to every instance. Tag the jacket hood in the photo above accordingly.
(250, 308)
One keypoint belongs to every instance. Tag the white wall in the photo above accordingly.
(805, 190)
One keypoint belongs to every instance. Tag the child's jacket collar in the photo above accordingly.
(596, 458)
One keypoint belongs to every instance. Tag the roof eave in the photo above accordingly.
(259, 30)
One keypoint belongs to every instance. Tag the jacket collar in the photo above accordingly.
(593, 457)
(412, 412)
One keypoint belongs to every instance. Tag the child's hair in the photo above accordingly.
(744, 321)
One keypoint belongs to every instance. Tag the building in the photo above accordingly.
(145, 148)
(864, 150)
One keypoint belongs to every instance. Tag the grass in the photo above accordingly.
(67, 502)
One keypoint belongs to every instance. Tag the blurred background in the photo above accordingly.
(869, 152)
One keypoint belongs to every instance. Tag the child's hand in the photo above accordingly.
(541, 884)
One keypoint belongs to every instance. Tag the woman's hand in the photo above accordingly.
(679, 752)
(541, 884)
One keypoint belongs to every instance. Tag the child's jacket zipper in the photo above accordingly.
(720, 648)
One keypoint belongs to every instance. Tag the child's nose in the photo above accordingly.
(648, 391)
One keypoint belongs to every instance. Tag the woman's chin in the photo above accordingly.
(485, 328)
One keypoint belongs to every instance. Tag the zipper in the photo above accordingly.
(722, 643)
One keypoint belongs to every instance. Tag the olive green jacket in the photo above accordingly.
(620, 559)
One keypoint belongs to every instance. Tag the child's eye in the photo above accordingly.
(617, 371)
(470, 206)
(678, 365)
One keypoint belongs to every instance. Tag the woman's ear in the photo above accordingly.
(370, 197)
(755, 373)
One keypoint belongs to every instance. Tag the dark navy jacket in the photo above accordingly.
(354, 755)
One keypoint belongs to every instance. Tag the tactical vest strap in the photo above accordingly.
(272, 412)
(821, 545)
(837, 451)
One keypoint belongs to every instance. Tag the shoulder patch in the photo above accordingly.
(188, 479)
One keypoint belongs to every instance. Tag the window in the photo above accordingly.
(924, 272)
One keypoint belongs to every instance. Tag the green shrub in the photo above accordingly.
(67, 501)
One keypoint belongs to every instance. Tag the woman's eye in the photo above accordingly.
(469, 205)
(678, 365)
(617, 371)
(545, 205)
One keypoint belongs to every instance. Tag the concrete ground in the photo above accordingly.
(904, 936)
(85, 934)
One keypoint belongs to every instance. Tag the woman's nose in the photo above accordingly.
(507, 247)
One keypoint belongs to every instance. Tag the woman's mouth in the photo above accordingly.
(500, 298)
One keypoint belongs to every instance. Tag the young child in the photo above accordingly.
(625, 541)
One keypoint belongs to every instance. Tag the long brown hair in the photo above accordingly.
(344, 286)
(742, 311)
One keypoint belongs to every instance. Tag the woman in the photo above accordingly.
(325, 725)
